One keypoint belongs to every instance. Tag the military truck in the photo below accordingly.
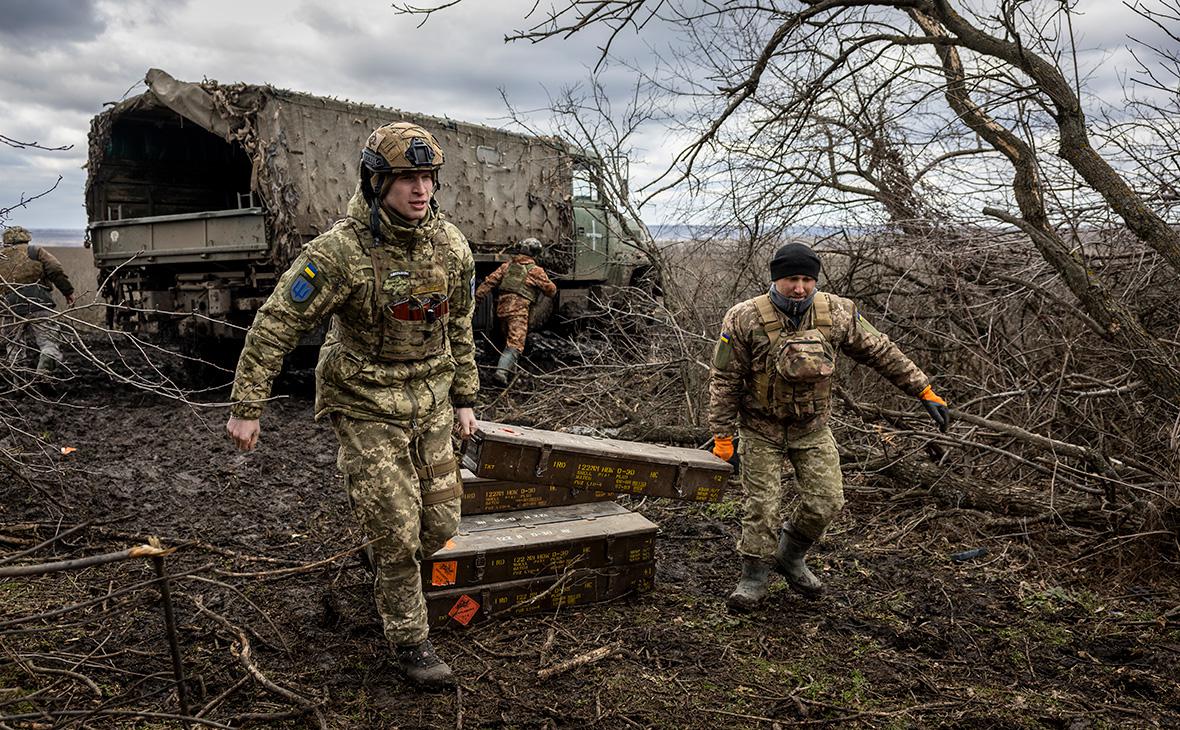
(198, 196)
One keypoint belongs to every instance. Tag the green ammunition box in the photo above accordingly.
(508, 546)
(482, 496)
(504, 452)
(469, 606)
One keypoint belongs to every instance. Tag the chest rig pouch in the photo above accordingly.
(514, 281)
(410, 303)
(796, 379)
(20, 277)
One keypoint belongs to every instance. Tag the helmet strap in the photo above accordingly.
(375, 219)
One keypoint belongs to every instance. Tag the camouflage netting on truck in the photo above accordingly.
(498, 187)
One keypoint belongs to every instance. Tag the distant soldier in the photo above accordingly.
(26, 273)
(772, 386)
(396, 281)
(520, 283)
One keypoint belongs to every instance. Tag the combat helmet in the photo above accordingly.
(15, 235)
(529, 247)
(392, 149)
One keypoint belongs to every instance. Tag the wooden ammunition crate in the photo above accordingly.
(533, 543)
(470, 606)
(499, 451)
(483, 496)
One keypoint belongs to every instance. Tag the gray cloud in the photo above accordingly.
(89, 52)
(30, 25)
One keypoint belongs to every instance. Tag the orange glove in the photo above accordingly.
(723, 447)
(936, 407)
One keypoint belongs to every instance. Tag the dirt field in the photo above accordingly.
(1048, 629)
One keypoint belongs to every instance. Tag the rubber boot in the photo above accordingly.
(788, 560)
(43, 379)
(507, 366)
(46, 365)
(423, 667)
(751, 589)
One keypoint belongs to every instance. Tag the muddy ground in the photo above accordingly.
(1051, 628)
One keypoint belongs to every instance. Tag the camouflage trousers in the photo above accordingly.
(15, 331)
(817, 477)
(405, 491)
(513, 312)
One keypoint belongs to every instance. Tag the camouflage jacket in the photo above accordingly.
(364, 370)
(535, 280)
(26, 271)
(794, 407)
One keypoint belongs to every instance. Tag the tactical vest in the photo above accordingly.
(514, 281)
(410, 305)
(795, 380)
(20, 276)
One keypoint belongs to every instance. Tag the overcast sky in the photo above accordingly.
(61, 60)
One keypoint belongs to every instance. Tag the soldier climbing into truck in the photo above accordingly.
(519, 284)
(26, 306)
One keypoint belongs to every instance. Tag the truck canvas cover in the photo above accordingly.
(501, 451)
(295, 157)
(468, 606)
(481, 496)
(534, 543)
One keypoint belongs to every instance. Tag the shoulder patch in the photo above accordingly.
(865, 326)
(723, 353)
(306, 285)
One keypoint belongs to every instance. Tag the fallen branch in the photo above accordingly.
(581, 660)
(139, 551)
(47, 543)
(284, 572)
(86, 604)
(241, 651)
(111, 713)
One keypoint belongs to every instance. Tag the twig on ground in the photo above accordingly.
(590, 657)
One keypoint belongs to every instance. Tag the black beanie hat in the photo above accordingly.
(794, 259)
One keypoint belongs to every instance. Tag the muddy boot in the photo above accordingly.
(43, 379)
(423, 667)
(788, 560)
(506, 367)
(751, 589)
(46, 365)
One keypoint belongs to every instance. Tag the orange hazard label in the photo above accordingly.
(443, 573)
(464, 609)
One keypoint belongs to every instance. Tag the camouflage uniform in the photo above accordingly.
(398, 355)
(26, 307)
(777, 415)
(520, 282)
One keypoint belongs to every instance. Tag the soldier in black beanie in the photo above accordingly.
(794, 259)
(772, 386)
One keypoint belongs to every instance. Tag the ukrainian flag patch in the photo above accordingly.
(723, 352)
(866, 327)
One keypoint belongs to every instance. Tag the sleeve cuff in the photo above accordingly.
(246, 411)
(463, 401)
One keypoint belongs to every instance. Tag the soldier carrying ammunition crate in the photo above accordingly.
(772, 386)
(520, 283)
(396, 281)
